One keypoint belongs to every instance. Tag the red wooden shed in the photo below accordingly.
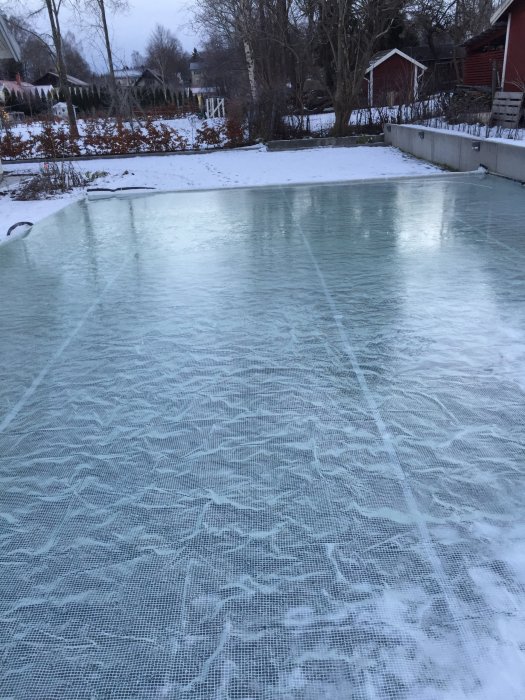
(512, 12)
(393, 78)
(484, 57)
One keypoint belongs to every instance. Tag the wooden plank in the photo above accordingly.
(506, 109)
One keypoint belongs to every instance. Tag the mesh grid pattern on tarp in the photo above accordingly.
(266, 444)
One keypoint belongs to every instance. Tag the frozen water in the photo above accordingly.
(266, 444)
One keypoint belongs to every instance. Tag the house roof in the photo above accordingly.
(495, 32)
(7, 38)
(428, 54)
(150, 73)
(15, 86)
(501, 10)
(22, 86)
(131, 73)
(76, 82)
(383, 56)
(203, 90)
(155, 75)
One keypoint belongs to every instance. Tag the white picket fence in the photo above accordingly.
(215, 107)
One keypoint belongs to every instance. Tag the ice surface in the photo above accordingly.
(266, 444)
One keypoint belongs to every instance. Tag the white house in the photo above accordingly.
(60, 110)
(127, 77)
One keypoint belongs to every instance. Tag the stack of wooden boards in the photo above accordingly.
(507, 109)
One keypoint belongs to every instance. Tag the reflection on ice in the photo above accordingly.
(282, 455)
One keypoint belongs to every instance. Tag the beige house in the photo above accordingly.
(198, 83)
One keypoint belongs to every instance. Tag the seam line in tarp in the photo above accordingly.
(15, 410)
(467, 639)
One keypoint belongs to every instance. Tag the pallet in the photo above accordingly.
(507, 109)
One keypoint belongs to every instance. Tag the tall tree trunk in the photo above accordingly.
(342, 113)
(107, 42)
(342, 106)
(61, 66)
(250, 64)
(119, 102)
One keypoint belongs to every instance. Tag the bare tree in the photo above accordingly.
(76, 64)
(138, 61)
(260, 29)
(349, 32)
(224, 66)
(38, 56)
(94, 14)
(449, 21)
(35, 47)
(232, 22)
(280, 38)
(454, 19)
(164, 54)
(53, 9)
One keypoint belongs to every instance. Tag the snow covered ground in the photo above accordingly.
(241, 168)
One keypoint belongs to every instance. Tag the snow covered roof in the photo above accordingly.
(128, 73)
(494, 32)
(9, 47)
(152, 72)
(501, 10)
(202, 90)
(15, 86)
(383, 56)
(75, 82)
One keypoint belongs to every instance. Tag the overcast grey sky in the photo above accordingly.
(132, 29)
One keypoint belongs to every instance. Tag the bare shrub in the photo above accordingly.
(209, 136)
(13, 146)
(160, 137)
(466, 106)
(55, 141)
(52, 179)
(235, 125)
(99, 136)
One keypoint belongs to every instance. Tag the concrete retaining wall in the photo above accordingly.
(458, 151)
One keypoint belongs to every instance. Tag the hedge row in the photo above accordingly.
(108, 137)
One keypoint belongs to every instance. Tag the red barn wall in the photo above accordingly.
(481, 54)
(393, 82)
(515, 72)
(477, 68)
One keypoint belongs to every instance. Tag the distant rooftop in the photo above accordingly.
(128, 73)
(70, 79)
